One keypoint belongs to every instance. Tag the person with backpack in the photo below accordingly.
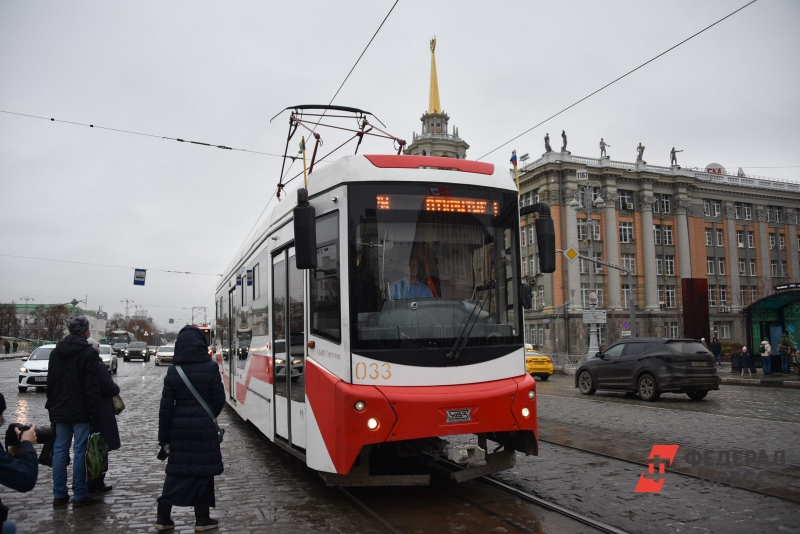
(766, 360)
(785, 348)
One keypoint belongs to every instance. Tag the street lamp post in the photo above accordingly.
(26, 299)
(588, 205)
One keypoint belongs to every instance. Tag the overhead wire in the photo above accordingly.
(616, 80)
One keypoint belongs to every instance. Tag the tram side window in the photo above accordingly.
(258, 315)
(326, 302)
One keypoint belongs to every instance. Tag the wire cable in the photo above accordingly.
(106, 265)
(616, 80)
(140, 133)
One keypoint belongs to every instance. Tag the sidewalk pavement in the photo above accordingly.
(14, 356)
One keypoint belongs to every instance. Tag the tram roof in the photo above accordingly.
(377, 168)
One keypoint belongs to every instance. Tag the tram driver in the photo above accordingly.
(413, 287)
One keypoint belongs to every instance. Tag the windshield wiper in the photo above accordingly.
(461, 340)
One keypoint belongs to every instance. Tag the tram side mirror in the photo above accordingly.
(305, 232)
(525, 296)
(545, 235)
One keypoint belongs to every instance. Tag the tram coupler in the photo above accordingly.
(498, 461)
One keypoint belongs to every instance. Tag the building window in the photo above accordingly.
(582, 230)
(774, 265)
(723, 295)
(534, 299)
(743, 296)
(667, 235)
(669, 265)
(666, 200)
(625, 232)
(723, 330)
(740, 238)
(660, 290)
(532, 265)
(778, 214)
(710, 265)
(742, 268)
(751, 240)
(657, 234)
(673, 330)
(530, 234)
(659, 266)
(737, 210)
(625, 199)
(721, 267)
(706, 207)
(748, 212)
(598, 268)
(629, 262)
(596, 230)
(541, 334)
(541, 296)
(752, 267)
(781, 242)
(582, 263)
(524, 268)
(783, 268)
(771, 240)
(522, 235)
(753, 294)
(720, 242)
(626, 294)
(585, 296)
(708, 237)
(671, 300)
(716, 206)
(712, 295)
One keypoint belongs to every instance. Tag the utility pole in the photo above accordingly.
(127, 302)
(26, 299)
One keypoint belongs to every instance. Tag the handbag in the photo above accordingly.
(119, 404)
(220, 431)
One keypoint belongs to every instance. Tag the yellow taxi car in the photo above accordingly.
(537, 364)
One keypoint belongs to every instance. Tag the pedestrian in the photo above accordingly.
(716, 350)
(766, 359)
(7, 346)
(19, 467)
(106, 423)
(745, 362)
(73, 400)
(187, 434)
(785, 348)
(15, 345)
(705, 344)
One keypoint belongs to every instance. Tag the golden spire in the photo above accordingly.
(433, 102)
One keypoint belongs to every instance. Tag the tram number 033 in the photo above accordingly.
(373, 371)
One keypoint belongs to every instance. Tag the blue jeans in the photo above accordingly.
(786, 363)
(766, 362)
(718, 356)
(64, 433)
(9, 527)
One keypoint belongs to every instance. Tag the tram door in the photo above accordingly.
(231, 341)
(289, 344)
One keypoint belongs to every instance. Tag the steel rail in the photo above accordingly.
(371, 514)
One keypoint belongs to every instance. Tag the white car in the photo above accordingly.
(109, 357)
(164, 354)
(33, 372)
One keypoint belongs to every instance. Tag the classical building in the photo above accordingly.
(436, 138)
(664, 224)
(27, 315)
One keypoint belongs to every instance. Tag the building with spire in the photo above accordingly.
(436, 138)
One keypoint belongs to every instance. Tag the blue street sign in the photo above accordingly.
(138, 276)
(790, 329)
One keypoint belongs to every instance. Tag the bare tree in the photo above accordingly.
(9, 323)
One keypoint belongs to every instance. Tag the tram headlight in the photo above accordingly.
(526, 412)
(279, 361)
(372, 423)
(531, 394)
(297, 361)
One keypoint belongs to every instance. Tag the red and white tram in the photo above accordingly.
(406, 328)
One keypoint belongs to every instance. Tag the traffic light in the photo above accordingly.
(545, 235)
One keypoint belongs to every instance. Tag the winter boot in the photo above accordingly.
(163, 522)
(203, 519)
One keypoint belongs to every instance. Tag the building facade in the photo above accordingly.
(664, 224)
(29, 317)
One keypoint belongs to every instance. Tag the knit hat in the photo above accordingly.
(744, 349)
(77, 324)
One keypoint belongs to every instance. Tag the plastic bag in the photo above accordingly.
(96, 457)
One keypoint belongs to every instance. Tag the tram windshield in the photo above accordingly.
(426, 261)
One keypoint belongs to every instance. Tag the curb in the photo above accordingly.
(761, 383)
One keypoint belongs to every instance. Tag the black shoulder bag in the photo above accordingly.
(220, 431)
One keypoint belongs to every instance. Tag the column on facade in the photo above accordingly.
(684, 246)
(573, 267)
(649, 251)
(765, 280)
(733, 257)
(791, 245)
(612, 245)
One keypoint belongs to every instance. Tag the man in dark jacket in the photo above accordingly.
(73, 399)
(187, 434)
(19, 467)
(716, 350)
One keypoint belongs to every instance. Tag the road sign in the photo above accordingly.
(626, 325)
(594, 316)
(626, 332)
(592, 296)
(571, 253)
(790, 329)
(138, 276)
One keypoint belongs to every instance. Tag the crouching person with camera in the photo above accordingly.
(188, 433)
(19, 466)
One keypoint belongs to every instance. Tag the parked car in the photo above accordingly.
(537, 364)
(164, 354)
(119, 348)
(33, 372)
(151, 349)
(650, 367)
(109, 357)
(136, 350)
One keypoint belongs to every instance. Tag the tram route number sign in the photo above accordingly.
(594, 316)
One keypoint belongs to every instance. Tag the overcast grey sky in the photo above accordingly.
(218, 71)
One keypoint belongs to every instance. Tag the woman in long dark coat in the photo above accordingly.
(106, 422)
(187, 434)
